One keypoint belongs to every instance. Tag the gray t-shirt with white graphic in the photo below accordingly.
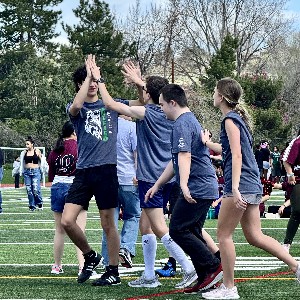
(96, 129)
(185, 137)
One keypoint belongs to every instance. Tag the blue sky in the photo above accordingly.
(120, 7)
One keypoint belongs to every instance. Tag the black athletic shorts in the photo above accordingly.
(101, 182)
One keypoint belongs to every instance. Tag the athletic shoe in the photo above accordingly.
(298, 273)
(93, 276)
(57, 269)
(90, 264)
(209, 281)
(40, 207)
(143, 282)
(125, 258)
(188, 279)
(222, 293)
(286, 247)
(108, 278)
(166, 271)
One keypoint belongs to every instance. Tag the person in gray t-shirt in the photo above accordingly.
(153, 148)
(96, 173)
(194, 172)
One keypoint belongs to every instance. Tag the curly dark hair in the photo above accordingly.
(154, 84)
(79, 76)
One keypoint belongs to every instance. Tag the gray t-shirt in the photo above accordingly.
(96, 129)
(153, 147)
(186, 138)
(250, 179)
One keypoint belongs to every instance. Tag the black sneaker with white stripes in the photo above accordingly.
(108, 278)
(91, 262)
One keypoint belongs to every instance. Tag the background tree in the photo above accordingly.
(29, 22)
(222, 64)
(258, 25)
(96, 34)
(38, 98)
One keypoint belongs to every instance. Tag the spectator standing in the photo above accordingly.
(275, 165)
(16, 172)
(265, 156)
(32, 164)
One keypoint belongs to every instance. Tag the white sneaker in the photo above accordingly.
(298, 272)
(57, 269)
(143, 282)
(222, 293)
(286, 247)
(188, 279)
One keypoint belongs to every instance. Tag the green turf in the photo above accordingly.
(32, 279)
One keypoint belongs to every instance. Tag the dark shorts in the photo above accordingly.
(101, 182)
(59, 192)
(159, 200)
(276, 171)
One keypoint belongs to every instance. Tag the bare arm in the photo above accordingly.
(82, 93)
(133, 75)
(233, 134)
(184, 164)
(216, 147)
(289, 171)
(137, 112)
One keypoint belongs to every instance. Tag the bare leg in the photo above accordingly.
(226, 227)
(59, 236)
(75, 233)
(252, 229)
(111, 231)
(210, 242)
(81, 221)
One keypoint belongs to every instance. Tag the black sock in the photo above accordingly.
(113, 269)
(218, 255)
(90, 254)
(172, 260)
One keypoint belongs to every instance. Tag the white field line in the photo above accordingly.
(242, 263)
(98, 243)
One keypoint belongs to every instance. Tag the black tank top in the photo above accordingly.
(31, 159)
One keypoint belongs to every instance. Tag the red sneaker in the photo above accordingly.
(209, 281)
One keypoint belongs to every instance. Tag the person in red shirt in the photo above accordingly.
(62, 165)
(291, 162)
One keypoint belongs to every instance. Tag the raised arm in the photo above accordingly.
(133, 75)
(82, 93)
(137, 112)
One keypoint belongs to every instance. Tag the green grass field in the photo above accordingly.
(26, 256)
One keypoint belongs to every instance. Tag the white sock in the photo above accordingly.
(176, 252)
(149, 252)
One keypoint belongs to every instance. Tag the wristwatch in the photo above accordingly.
(100, 80)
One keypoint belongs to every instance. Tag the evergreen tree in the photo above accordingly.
(222, 64)
(28, 22)
(96, 34)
